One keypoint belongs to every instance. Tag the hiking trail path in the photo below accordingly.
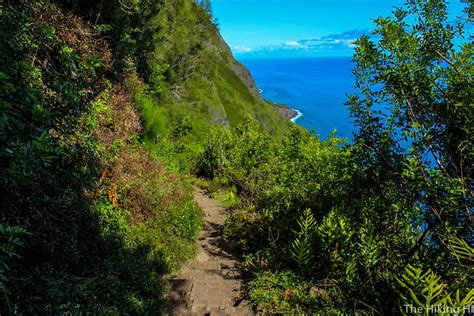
(212, 283)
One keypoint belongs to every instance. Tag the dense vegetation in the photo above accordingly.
(91, 218)
(100, 220)
(108, 107)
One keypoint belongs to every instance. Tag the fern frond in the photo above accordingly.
(300, 249)
(306, 222)
(466, 301)
(460, 249)
(425, 289)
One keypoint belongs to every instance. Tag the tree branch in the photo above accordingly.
(416, 119)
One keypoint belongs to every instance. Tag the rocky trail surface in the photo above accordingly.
(211, 284)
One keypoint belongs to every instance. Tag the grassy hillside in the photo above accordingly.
(192, 70)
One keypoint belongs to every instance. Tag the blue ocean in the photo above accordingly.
(316, 87)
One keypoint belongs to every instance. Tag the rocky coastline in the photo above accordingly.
(287, 112)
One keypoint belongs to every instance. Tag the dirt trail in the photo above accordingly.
(212, 283)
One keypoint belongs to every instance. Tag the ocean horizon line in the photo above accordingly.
(291, 58)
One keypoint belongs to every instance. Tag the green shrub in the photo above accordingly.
(285, 293)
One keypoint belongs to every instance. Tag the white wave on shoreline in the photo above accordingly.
(298, 115)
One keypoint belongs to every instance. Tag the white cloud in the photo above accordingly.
(328, 44)
(241, 49)
(348, 42)
(293, 44)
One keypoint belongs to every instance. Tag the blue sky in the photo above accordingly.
(296, 28)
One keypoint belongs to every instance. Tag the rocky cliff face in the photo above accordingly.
(239, 68)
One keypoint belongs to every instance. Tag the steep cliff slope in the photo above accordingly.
(199, 73)
(183, 59)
